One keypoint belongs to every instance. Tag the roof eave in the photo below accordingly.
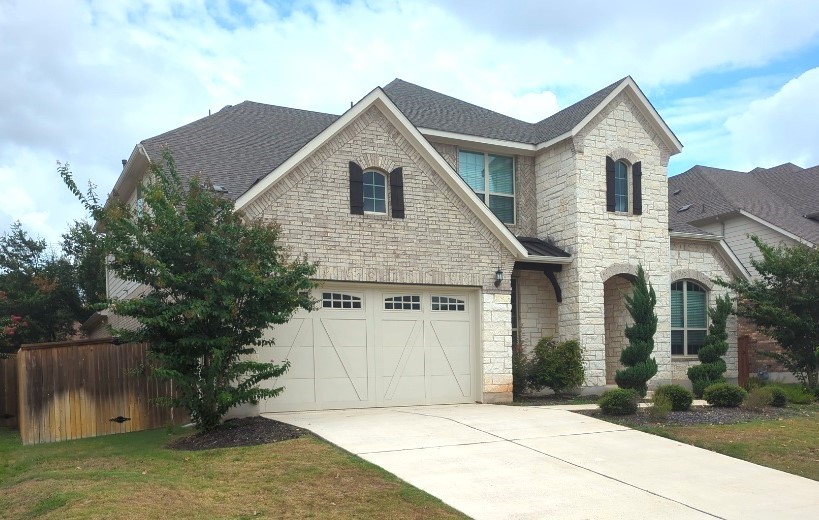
(539, 259)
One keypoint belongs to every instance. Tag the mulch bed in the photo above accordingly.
(699, 415)
(249, 431)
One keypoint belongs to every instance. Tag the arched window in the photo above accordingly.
(689, 317)
(620, 186)
(375, 192)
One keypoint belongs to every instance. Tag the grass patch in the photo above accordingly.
(554, 400)
(788, 444)
(133, 476)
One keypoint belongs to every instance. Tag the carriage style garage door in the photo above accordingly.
(378, 346)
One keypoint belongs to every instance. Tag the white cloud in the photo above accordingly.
(780, 128)
(83, 82)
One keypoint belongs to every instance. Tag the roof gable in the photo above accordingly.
(377, 98)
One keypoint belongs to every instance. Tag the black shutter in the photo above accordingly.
(637, 183)
(397, 192)
(609, 184)
(356, 189)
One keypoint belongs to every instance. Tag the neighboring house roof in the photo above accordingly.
(782, 196)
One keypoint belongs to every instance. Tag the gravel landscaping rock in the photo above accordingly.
(249, 431)
(700, 415)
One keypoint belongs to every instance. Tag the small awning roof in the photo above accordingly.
(537, 247)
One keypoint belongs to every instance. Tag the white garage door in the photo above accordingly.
(378, 346)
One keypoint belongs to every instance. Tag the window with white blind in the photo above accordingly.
(497, 189)
(689, 317)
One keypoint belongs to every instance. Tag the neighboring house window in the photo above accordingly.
(620, 186)
(140, 202)
(618, 189)
(689, 312)
(375, 192)
(497, 189)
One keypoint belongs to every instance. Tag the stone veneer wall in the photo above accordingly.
(701, 262)
(571, 190)
(616, 319)
(537, 308)
(440, 241)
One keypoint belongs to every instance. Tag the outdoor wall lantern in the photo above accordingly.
(498, 277)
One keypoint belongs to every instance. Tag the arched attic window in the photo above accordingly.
(623, 180)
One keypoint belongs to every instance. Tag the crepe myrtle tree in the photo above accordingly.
(216, 282)
(784, 303)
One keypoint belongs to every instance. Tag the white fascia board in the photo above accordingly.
(674, 145)
(775, 228)
(555, 140)
(134, 167)
(696, 236)
(537, 259)
(480, 142)
(378, 98)
(729, 254)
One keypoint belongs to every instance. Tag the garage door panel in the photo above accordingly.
(405, 361)
(398, 333)
(344, 332)
(296, 394)
(449, 361)
(448, 387)
(342, 389)
(341, 362)
(404, 390)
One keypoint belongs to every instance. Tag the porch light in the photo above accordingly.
(498, 277)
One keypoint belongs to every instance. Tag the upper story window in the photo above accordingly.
(620, 186)
(497, 188)
(689, 313)
(375, 192)
(624, 192)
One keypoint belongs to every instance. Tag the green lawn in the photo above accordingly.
(788, 444)
(134, 476)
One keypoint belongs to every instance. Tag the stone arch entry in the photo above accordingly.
(616, 317)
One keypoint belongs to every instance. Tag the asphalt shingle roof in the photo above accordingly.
(782, 195)
(537, 247)
(239, 144)
(427, 108)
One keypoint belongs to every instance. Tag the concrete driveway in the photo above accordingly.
(497, 462)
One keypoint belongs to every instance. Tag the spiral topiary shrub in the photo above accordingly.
(640, 367)
(724, 395)
(712, 366)
(680, 397)
(620, 401)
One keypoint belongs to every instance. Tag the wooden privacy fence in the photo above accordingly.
(8, 391)
(77, 389)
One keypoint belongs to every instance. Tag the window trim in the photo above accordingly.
(354, 298)
(386, 192)
(685, 328)
(486, 193)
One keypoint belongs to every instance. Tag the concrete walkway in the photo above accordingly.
(498, 462)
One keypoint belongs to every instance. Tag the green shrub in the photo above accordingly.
(680, 397)
(521, 367)
(620, 401)
(558, 366)
(712, 366)
(778, 397)
(661, 406)
(795, 393)
(725, 395)
(636, 356)
(759, 398)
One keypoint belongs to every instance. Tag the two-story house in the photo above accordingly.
(444, 232)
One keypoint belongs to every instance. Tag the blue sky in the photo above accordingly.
(84, 81)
